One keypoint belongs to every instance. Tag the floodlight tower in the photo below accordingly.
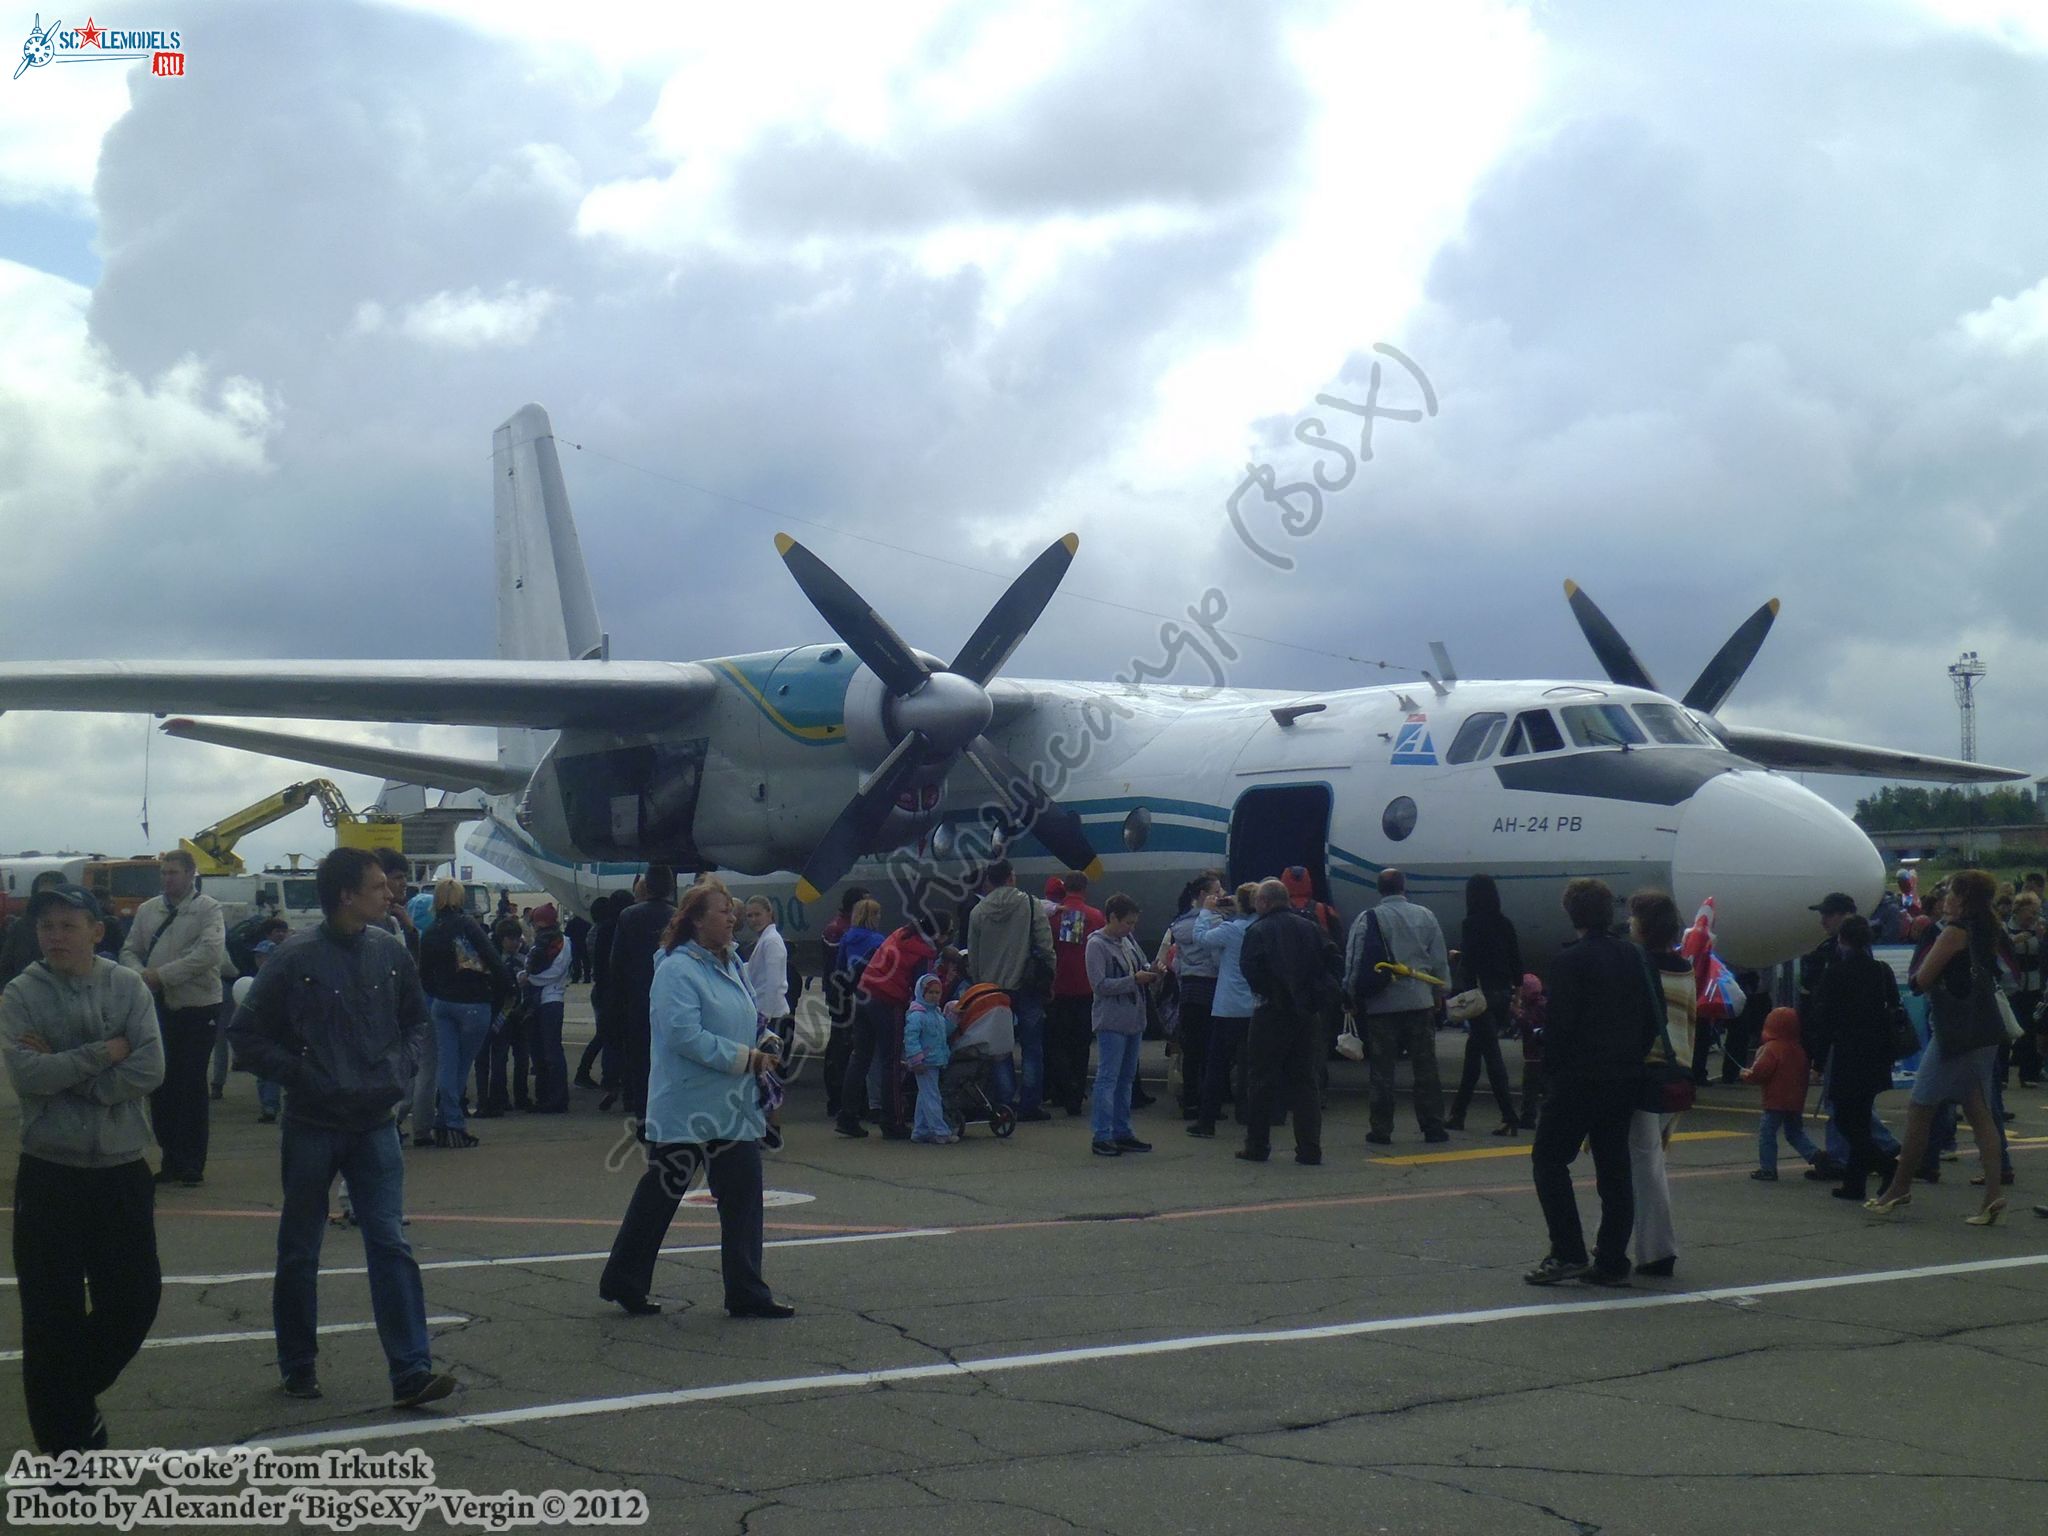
(1964, 674)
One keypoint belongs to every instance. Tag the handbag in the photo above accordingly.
(1965, 1024)
(1668, 1086)
(1905, 1039)
(1349, 1046)
(2012, 1024)
(1466, 1005)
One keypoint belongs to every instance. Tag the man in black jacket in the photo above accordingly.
(336, 1016)
(1602, 1016)
(1286, 962)
(636, 945)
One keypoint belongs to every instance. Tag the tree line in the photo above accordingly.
(1910, 807)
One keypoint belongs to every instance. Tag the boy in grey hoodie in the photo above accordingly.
(82, 1046)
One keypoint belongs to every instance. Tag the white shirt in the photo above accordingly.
(768, 973)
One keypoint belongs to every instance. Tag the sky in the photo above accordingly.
(1712, 306)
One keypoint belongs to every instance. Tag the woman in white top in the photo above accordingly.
(1654, 924)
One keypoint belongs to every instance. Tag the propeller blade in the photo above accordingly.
(1613, 652)
(1711, 689)
(854, 832)
(1030, 807)
(1003, 630)
(865, 632)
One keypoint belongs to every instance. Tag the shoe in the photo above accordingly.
(487, 1114)
(1309, 1159)
(1105, 1149)
(2009, 1116)
(1436, 1136)
(301, 1383)
(1376, 1139)
(215, 1093)
(1848, 1194)
(1614, 1278)
(428, 1141)
(1204, 1128)
(1507, 1128)
(1455, 1123)
(1883, 1207)
(1824, 1173)
(163, 1176)
(584, 1080)
(1659, 1269)
(1977, 1180)
(1988, 1217)
(635, 1306)
(268, 1117)
(1253, 1154)
(852, 1129)
(2041, 1210)
(1073, 1110)
(895, 1133)
(605, 1104)
(448, 1136)
(1132, 1144)
(771, 1138)
(422, 1389)
(1932, 1176)
(769, 1309)
(1553, 1271)
(1764, 1175)
(192, 1182)
(1146, 1101)
(1033, 1114)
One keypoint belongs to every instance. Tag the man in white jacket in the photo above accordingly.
(176, 943)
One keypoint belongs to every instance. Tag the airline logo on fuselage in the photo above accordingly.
(1412, 746)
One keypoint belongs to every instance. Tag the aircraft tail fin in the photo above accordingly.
(545, 609)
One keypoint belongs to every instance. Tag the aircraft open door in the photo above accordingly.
(1278, 825)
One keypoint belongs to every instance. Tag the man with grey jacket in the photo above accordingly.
(176, 944)
(1009, 945)
(80, 1038)
(1398, 1012)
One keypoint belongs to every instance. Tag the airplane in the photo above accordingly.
(865, 760)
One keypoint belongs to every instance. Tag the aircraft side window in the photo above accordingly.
(1477, 738)
(1534, 731)
(1668, 723)
(1601, 725)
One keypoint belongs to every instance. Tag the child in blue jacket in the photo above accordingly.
(926, 1050)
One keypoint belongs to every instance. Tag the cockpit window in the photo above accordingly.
(1601, 725)
(1477, 738)
(1671, 725)
(1534, 731)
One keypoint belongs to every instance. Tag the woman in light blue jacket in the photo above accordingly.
(703, 1110)
(1220, 929)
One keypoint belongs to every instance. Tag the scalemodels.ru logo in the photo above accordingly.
(55, 44)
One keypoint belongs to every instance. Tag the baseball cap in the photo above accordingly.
(67, 895)
(1833, 904)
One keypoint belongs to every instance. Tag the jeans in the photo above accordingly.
(1115, 1073)
(1597, 1113)
(178, 1109)
(1793, 1124)
(1482, 1049)
(459, 1030)
(1281, 1058)
(735, 1175)
(269, 1096)
(550, 1066)
(931, 1124)
(80, 1231)
(374, 1174)
(1029, 1010)
(1226, 1044)
(1385, 1036)
(426, 1079)
(1197, 999)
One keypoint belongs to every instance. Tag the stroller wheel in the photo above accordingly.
(1002, 1120)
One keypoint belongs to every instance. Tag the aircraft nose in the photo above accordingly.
(1767, 850)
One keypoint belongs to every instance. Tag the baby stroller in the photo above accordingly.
(987, 1033)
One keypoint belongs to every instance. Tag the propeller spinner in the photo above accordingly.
(936, 715)
(1716, 680)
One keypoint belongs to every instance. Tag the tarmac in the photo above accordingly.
(1015, 1336)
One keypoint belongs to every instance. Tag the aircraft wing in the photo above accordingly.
(1817, 754)
(432, 769)
(536, 695)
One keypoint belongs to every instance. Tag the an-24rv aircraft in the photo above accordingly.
(824, 759)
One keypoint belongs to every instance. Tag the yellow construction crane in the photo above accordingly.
(213, 849)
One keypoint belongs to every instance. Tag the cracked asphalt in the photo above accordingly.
(1901, 1404)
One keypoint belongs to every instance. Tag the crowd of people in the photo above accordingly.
(404, 1007)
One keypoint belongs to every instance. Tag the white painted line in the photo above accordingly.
(246, 1275)
(844, 1380)
(263, 1335)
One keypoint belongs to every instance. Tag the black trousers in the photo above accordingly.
(1226, 1047)
(1852, 1118)
(735, 1176)
(1197, 995)
(1069, 1037)
(2026, 1051)
(1282, 1055)
(80, 1231)
(513, 1041)
(877, 1032)
(1482, 1048)
(1577, 1112)
(838, 1051)
(178, 1108)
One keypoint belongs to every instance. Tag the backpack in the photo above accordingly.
(446, 952)
(1371, 981)
(242, 940)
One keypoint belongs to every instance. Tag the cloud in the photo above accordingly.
(466, 319)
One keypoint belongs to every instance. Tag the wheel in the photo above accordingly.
(1002, 1120)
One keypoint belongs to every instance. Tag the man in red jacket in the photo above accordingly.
(1069, 1031)
(878, 1029)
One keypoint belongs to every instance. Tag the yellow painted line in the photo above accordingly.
(1475, 1154)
